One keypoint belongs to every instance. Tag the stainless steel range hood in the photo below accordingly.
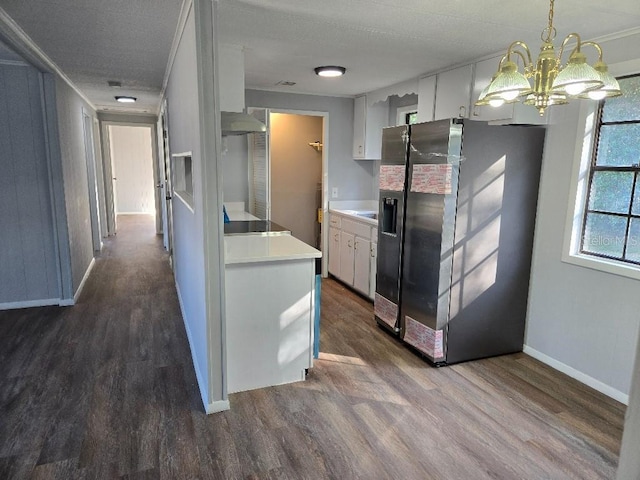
(240, 124)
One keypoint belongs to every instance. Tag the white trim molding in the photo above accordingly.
(46, 302)
(218, 406)
(578, 375)
(83, 281)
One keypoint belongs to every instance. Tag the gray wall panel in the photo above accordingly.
(70, 126)
(27, 247)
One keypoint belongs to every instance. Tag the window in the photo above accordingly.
(611, 225)
(407, 115)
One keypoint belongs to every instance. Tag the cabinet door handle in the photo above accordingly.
(355, 245)
(349, 244)
(463, 111)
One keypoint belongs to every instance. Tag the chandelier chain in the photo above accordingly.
(550, 31)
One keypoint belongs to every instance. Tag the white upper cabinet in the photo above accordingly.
(453, 93)
(511, 113)
(368, 122)
(426, 98)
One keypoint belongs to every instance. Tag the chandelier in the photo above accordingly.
(553, 83)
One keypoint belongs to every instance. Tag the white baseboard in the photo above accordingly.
(214, 407)
(219, 406)
(578, 375)
(84, 280)
(45, 302)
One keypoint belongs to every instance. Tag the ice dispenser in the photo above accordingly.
(388, 222)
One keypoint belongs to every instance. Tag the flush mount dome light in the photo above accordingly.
(125, 99)
(330, 71)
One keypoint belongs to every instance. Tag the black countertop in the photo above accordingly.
(254, 227)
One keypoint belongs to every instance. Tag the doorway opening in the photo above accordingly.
(287, 172)
(296, 174)
(131, 172)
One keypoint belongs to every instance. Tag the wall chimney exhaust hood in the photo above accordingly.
(240, 124)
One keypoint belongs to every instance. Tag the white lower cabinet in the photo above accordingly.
(334, 251)
(353, 253)
(373, 268)
(346, 257)
(362, 265)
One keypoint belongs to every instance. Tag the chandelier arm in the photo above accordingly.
(527, 61)
(596, 46)
(566, 40)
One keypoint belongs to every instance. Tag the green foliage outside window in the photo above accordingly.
(611, 226)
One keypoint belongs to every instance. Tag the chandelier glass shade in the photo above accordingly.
(553, 83)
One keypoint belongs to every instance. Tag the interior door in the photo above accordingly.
(165, 158)
(89, 149)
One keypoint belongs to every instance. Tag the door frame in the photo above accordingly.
(108, 171)
(164, 183)
(92, 183)
(325, 176)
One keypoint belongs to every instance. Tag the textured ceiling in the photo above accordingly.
(380, 42)
(94, 41)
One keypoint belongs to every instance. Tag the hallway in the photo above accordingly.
(106, 389)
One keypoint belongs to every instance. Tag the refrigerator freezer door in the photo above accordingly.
(429, 230)
(391, 220)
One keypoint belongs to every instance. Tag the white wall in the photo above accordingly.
(188, 250)
(235, 169)
(198, 250)
(76, 185)
(132, 166)
(580, 320)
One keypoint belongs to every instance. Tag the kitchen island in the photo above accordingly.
(270, 303)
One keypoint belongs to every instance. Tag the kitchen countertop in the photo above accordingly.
(256, 248)
(358, 215)
(359, 210)
(254, 227)
(235, 215)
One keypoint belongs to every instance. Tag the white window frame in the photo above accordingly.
(578, 190)
(401, 113)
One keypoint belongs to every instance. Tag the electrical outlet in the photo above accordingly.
(334, 192)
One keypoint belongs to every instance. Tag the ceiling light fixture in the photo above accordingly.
(125, 99)
(553, 83)
(330, 71)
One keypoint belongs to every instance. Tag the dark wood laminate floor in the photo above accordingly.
(106, 389)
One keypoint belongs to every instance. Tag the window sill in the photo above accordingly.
(186, 198)
(603, 265)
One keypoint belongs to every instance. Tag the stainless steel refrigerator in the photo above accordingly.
(456, 235)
